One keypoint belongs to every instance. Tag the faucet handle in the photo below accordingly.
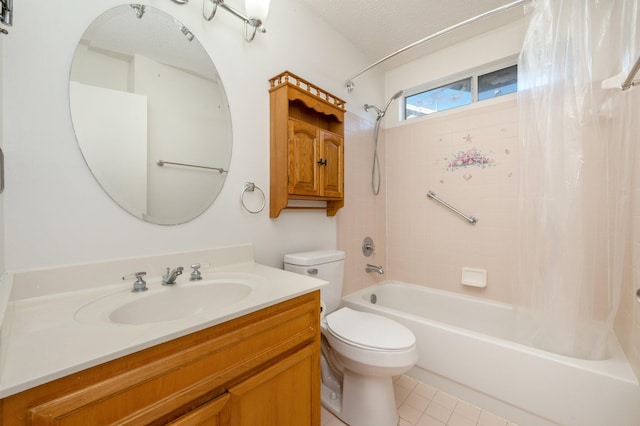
(139, 285)
(195, 272)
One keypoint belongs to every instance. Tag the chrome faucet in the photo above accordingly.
(170, 277)
(374, 268)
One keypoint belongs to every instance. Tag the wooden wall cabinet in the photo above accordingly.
(262, 368)
(307, 145)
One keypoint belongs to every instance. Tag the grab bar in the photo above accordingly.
(472, 220)
(218, 169)
(630, 80)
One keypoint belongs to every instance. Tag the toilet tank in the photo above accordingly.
(326, 265)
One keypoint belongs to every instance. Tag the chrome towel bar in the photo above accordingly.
(162, 163)
(472, 220)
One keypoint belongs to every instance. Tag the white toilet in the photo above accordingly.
(361, 352)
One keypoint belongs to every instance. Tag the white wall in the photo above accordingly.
(55, 212)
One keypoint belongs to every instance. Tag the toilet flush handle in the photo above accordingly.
(312, 271)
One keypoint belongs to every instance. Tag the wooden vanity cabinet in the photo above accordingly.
(307, 145)
(259, 369)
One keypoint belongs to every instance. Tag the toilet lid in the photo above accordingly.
(369, 330)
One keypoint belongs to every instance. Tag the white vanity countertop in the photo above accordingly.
(45, 338)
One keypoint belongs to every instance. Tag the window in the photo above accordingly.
(439, 99)
(477, 87)
(498, 83)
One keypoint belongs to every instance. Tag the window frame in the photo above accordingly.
(473, 74)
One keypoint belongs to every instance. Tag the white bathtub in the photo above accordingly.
(463, 349)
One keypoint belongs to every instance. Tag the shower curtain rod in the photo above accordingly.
(350, 84)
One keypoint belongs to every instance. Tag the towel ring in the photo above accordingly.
(250, 187)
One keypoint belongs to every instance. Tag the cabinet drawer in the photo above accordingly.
(164, 382)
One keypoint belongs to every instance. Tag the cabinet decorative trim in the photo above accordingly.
(310, 89)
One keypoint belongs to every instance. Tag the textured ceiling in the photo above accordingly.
(381, 27)
(156, 36)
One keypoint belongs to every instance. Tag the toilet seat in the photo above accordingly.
(369, 331)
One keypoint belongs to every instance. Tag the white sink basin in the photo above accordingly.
(168, 303)
(179, 302)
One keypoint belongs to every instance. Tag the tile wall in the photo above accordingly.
(363, 213)
(469, 159)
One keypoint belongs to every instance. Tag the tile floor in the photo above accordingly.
(422, 405)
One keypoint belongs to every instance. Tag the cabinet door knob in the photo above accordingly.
(322, 162)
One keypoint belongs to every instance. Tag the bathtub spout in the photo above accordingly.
(374, 268)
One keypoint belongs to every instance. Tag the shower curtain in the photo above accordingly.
(576, 155)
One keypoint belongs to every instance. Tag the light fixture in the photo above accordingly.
(6, 12)
(251, 23)
(258, 9)
(256, 14)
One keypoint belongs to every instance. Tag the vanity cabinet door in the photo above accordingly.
(213, 413)
(285, 394)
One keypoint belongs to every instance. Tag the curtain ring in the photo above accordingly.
(250, 187)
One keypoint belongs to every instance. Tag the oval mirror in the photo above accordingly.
(150, 114)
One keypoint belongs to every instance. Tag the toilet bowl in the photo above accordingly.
(371, 349)
(361, 352)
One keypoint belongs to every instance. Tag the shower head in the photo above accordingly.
(393, 98)
(382, 112)
(397, 95)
